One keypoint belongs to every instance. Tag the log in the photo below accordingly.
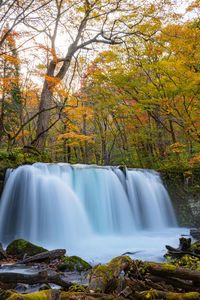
(157, 294)
(50, 255)
(178, 253)
(167, 270)
(41, 277)
(176, 283)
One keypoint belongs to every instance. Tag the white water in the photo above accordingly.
(94, 212)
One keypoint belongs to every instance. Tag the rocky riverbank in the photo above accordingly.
(122, 278)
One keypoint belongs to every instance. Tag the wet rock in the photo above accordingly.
(21, 247)
(2, 253)
(44, 287)
(73, 263)
(195, 233)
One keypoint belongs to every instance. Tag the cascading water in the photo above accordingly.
(91, 211)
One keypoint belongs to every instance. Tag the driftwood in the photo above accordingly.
(41, 277)
(50, 255)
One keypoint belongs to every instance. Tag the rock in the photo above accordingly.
(73, 263)
(21, 247)
(44, 287)
(77, 288)
(195, 233)
(105, 279)
(2, 253)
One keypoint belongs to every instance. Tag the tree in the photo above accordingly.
(151, 97)
(15, 12)
(98, 22)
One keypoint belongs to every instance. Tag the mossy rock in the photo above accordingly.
(73, 263)
(105, 279)
(195, 247)
(21, 247)
(77, 288)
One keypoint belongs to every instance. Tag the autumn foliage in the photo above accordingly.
(135, 102)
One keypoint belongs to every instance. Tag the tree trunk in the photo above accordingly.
(44, 117)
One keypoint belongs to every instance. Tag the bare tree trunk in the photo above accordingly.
(44, 117)
(86, 143)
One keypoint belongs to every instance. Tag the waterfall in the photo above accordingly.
(71, 206)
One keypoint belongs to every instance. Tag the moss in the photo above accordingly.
(106, 278)
(169, 267)
(195, 247)
(73, 263)
(77, 288)
(9, 295)
(53, 294)
(21, 247)
(186, 296)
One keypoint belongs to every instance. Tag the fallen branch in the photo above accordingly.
(50, 255)
(41, 277)
(167, 270)
(178, 253)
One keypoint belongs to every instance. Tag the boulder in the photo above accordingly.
(73, 263)
(21, 247)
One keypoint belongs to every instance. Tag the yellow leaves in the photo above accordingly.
(194, 5)
(187, 173)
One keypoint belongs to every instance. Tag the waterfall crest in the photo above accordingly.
(63, 205)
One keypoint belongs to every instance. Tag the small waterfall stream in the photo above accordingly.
(89, 210)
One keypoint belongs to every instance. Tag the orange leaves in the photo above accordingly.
(195, 160)
(52, 81)
(11, 59)
(6, 83)
(176, 148)
(32, 99)
(77, 137)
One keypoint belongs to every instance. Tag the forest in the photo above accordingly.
(100, 82)
(99, 149)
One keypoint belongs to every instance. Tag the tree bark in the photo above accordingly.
(45, 103)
